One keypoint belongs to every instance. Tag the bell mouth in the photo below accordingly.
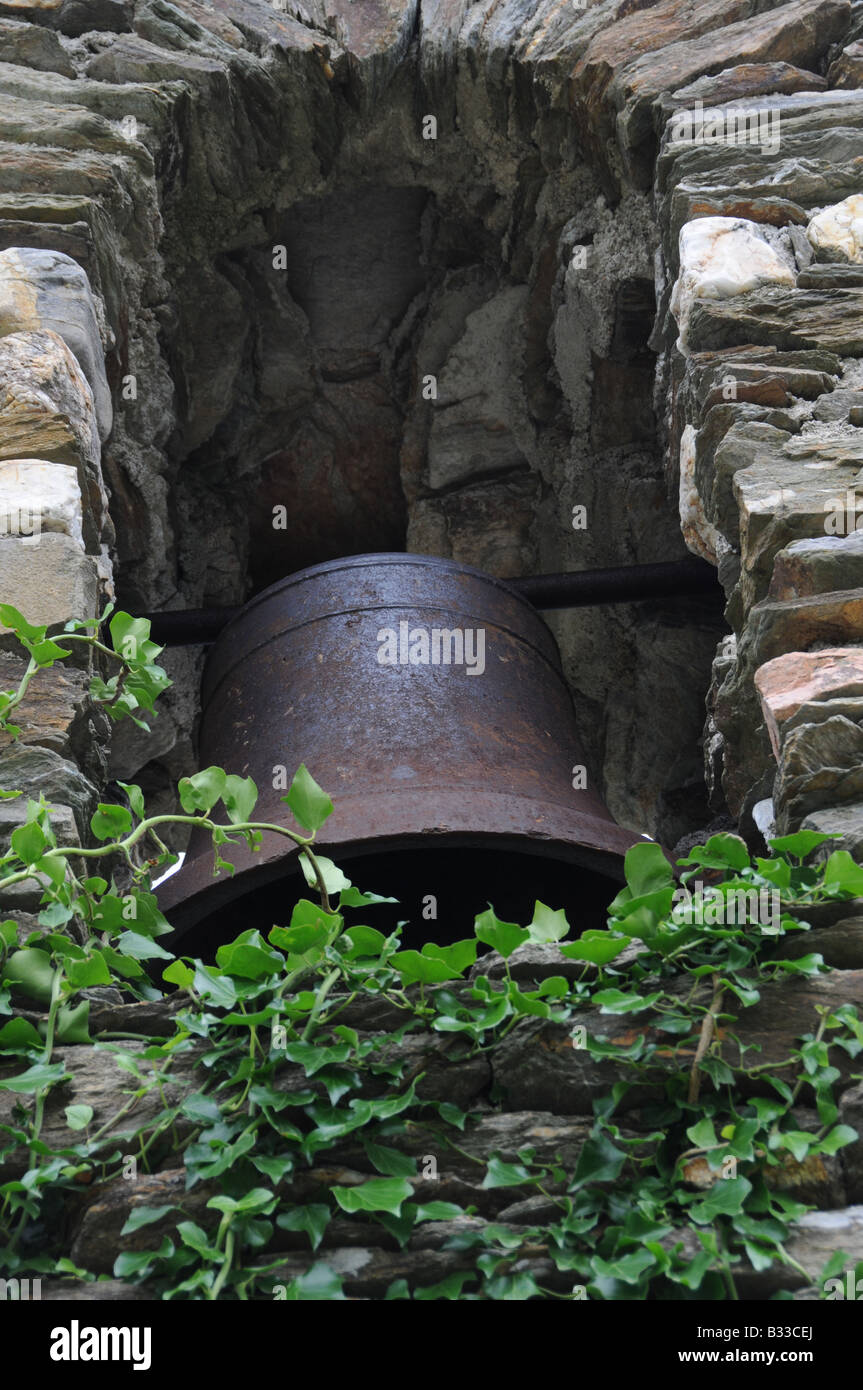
(440, 883)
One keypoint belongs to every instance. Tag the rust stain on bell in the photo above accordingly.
(427, 699)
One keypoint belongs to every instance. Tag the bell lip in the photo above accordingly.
(518, 825)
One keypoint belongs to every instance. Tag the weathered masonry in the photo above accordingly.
(605, 308)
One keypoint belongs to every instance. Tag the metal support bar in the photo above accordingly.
(669, 579)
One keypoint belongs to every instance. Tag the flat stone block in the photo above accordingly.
(50, 581)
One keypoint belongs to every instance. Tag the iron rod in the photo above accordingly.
(674, 579)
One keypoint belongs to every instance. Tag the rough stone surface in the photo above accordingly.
(47, 290)
(37, 497)
(48, 579)
(837, 232)
(721, 257)
(798, 678)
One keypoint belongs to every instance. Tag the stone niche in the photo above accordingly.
(359, 291)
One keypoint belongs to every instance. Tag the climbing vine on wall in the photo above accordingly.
(261, 1079)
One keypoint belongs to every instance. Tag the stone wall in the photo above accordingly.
(240, 270)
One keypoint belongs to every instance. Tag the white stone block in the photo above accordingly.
(36, 497)
(721, 257)
(837, 231)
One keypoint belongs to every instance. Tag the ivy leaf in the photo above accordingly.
(29, 842)
(334, 880)
(378, 1194)
(837, 1139)
(178, 973)
(144, 1216)
(599, 1161)
(110, 822)
(83, 974)
(309, 802)
(647, 870)
(501, 1174)
(240, 797)
(201, 791)
(137, 1264)
(312, 1219)
(132, 943)
(458, 956)
(35, 1078)
(19, 1035)
(800, 844)
(136, 798)
(31, 972)
(598, 947)
(723, 851)
(389, 1161)
(547, 925)
(842, 875)
(725, 1198)
(504, 937)
(414, 968)
(615, 1001)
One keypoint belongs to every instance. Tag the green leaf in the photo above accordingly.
(725, 1198)
(547, 926)
(19, 1034)
(647, 870)
(144, 1216)
(501, 1174)
(703, 1135)
(615, 1001)
(837, 1139)
(72, 1024)
(29, 842)
(201, 791)
(240, 798)
(599, 1161)
(31, 972)
(136, 798)
(312, 1219)
(110, 822)
(389, 1161)
(598, 947)
(378, 1194)
(35, 1078)
(504, 937)
(800, 844)
(724, 851)
(310, 804)
(438, 1211)
(459, 956)
(248, 958)
(842, 875)
(10, 617)
(334, 880)
(132, 943)
(352, 897)
(259, 1199)
(178, 973)
(79, 1116)
(83, 974)
(138, 1263)
(414, 968)
(214, 988)
(193, 1235)
(364, 941)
